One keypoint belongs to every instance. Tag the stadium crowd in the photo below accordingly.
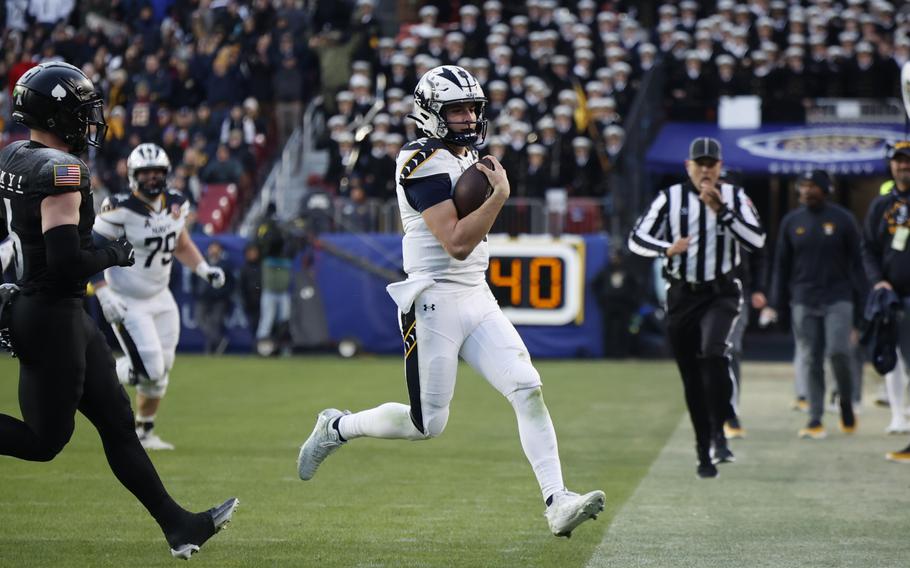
(221, 85)
(209, 82)
(561, 77)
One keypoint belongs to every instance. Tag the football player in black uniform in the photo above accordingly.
(64, 361)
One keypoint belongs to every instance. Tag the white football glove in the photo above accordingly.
(112, 305)
(211, 274)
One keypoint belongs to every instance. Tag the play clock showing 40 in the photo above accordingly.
(538, 280)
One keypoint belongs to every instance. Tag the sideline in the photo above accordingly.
(785, 503)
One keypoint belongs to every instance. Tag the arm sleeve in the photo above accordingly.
(781, 274)
(67, 260)
(425, 192)
(871, 248)
(648, 237)
(857, 276)
(743, 221)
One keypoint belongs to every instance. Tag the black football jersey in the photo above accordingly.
(29, 172)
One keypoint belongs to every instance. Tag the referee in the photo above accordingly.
(698, 227)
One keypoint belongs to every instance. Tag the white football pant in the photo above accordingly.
(148, 336)
(448, 320)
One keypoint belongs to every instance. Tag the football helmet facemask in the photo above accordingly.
(443, 86)
(148, 157)
(57, 97)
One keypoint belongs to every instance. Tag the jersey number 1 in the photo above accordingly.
(164, 245)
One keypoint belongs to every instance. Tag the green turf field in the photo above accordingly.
(468, 498)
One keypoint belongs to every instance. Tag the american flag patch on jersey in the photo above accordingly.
(69, 174)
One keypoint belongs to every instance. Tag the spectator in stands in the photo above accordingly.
(614, 138)
(587, 176)
(378, 169)
(223, 169)
(401, 76)
(341, 166)
(240, 152)
(288, 87)
(468, 25)
(213, 305)
(727, 82)
(224, 86)
(158, 79)
(356, 214)
(537, 176)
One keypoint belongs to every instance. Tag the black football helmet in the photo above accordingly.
(57, 97)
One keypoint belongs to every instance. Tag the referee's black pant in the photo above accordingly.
(700, 318)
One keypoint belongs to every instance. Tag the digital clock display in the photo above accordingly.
(538, 280)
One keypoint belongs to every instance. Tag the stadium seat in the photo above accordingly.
(217, 207)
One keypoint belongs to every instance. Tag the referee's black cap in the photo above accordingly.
(704, 147)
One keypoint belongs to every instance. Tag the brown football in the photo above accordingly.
(472, 189)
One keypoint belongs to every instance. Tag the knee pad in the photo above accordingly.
(153, 389)
(519, 375)
(434, 420)
(153, 363)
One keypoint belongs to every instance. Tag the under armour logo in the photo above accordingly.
(58, 93)
(430, 307)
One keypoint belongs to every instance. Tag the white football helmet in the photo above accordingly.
(147, 157)
(445, 85)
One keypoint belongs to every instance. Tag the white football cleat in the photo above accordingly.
(322, 442)
(898, 427)
(568, 510)
(151, 441)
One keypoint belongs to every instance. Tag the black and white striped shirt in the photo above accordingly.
(715, 238)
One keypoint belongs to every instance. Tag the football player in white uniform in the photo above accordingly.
(137, 301)
(446, 307)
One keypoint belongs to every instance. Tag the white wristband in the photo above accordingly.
(202, 270)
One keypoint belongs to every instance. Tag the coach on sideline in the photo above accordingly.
(697, 227)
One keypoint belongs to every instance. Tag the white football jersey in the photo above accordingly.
(154, 237)
(422, 252)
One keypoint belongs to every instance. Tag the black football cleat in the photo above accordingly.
(720, 451)
(706, 470)
(203, 527)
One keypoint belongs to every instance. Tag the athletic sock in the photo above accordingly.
(538, 439)
(145, 424)
(335, 426)
(391, 420)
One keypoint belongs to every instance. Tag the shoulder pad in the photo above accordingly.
(114, 202)
(417, 154)
(61, 173)
(173, 197)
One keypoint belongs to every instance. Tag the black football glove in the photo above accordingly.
(123, 253)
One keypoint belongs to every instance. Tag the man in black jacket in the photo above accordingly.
(886, 255)
(818, 272)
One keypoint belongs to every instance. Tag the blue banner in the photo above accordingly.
(781, 149)
(358, 307)
(351, 280)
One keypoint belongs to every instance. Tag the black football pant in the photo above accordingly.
(65, 365)
(699, 324)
